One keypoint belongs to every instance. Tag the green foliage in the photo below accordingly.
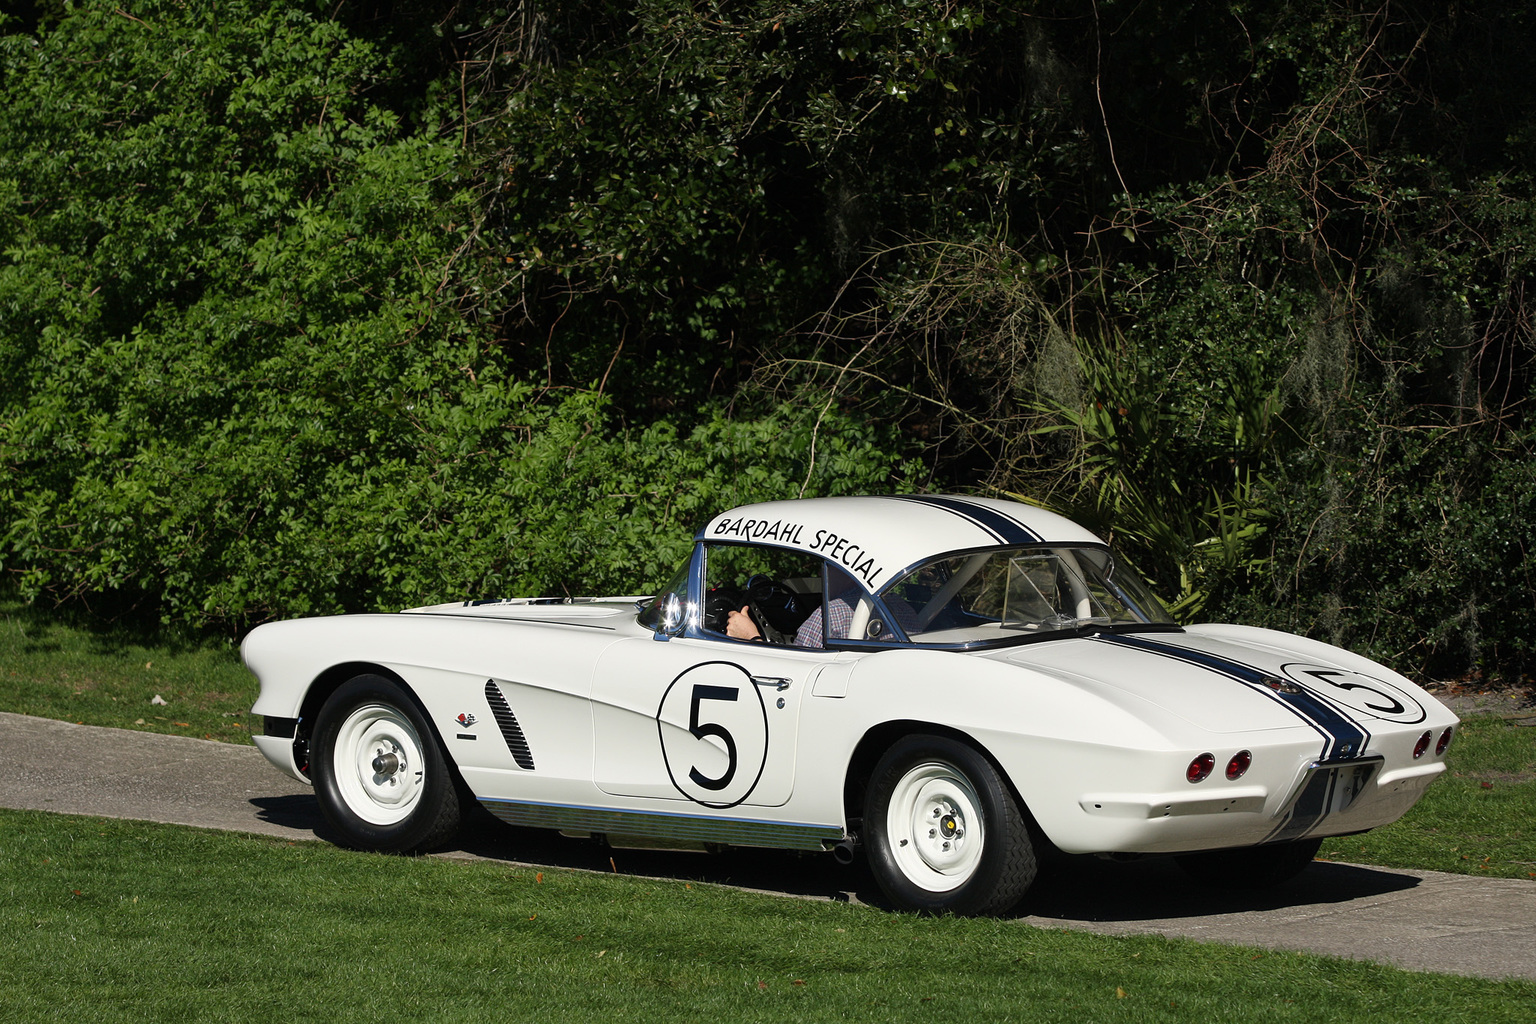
(245, 375)
(295, 294)
(211, 290)
(1419, 558)
(678, 186)
(1316, 277)
(1173, 465)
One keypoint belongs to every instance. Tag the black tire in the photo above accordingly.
(380, 775)
(1252, 867)
(944, 833)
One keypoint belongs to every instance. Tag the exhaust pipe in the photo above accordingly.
(843, 852)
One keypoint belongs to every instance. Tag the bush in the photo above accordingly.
(244, 375)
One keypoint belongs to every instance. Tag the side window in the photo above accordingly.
(779, 588)
(834, 615)
(850, 614)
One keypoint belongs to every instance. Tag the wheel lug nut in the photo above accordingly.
(932, 833)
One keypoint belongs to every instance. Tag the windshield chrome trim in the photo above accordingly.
(1001, 643)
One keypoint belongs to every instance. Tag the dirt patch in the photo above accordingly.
(1478, 698)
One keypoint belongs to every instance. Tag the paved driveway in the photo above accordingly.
(1422, 920)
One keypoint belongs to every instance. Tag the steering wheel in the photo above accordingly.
(718, 605)
(778, 610)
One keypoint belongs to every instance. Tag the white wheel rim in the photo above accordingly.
(935, 826)
(379, 764)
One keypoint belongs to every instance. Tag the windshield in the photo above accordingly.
(654, 615)
(1014, 593)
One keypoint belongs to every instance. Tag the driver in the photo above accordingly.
(838, 615)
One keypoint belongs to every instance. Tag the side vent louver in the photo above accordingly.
(506, 721)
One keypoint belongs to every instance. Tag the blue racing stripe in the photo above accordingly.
(1004, 528)
(1344, 738)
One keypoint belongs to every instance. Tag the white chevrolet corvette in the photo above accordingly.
(945, 684)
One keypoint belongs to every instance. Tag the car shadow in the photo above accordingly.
(1068, 889)
(298, 812)
(782, 872)
(1088, 889)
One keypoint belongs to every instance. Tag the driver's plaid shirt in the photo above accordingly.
(839, 618)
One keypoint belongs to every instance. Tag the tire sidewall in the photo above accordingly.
(432, 818)
(1007, 863)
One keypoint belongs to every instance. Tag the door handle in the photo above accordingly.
(777, 682)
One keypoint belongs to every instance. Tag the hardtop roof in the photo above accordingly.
(874, 538)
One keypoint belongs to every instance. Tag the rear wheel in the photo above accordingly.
(1252, 867)
(381, 778)
(945, 833)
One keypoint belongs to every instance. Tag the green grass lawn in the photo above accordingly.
(52, 669)
(1479, 817)
(120, 921)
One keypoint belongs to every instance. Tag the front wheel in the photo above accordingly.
(945, 834)
(380, 777)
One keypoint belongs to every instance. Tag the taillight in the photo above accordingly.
(1422, 745)
(1200, 768)
(1445, 741)
(1239, 764)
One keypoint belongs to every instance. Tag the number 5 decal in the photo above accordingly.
(1362, 694)
(703, 693)
(713, 727)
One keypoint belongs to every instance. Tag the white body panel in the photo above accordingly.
(577, 716)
